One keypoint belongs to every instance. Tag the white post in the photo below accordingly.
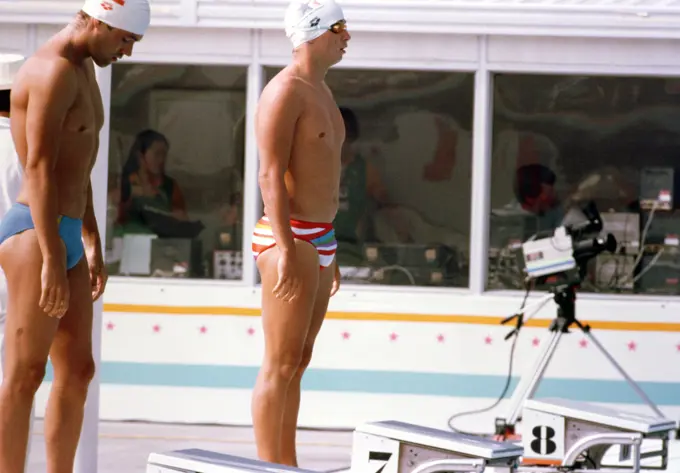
(251, 190)
(86, 455)
(481, 174)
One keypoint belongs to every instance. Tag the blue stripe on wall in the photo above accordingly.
(381, 382)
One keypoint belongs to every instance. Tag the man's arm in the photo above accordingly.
(275, 128)
(51, 94)
(90, 229)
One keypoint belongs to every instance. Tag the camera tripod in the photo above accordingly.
(565, 298)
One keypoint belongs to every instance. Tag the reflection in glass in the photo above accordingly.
(176, 171)
(562, 141)
(404, 202)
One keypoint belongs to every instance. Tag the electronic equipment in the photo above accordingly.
(564, 252)
(656, 188)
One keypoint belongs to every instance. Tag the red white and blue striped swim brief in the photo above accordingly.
(321, 235)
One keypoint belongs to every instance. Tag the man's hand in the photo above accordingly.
(55, 296)
(289, 284)
(98, 276)
(336, 279)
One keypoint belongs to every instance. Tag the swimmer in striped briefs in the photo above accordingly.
(50, 247)
(300, 133)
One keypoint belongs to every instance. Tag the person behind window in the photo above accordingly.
(145, 185)
(536, 194)
(360, 188)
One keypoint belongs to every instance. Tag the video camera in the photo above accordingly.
(560, 256)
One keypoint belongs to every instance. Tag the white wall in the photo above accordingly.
(159, 365)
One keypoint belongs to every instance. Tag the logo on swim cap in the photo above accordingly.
(314, 22)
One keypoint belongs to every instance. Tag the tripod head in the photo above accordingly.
(564, 296)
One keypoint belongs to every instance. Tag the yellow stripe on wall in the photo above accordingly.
(386, 317)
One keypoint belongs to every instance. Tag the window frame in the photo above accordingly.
(247, 189)
(412, 65)
(494, 68)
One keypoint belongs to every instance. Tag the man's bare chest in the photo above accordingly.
(86, 116)
(324, 125)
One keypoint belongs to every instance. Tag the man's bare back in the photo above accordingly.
(51, 71)
(313, 174)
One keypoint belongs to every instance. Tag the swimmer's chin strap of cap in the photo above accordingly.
(132, 16)
(308, 19)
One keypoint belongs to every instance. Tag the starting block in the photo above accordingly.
(204, 461)
(398, 447)
(571, 436)
(378, 447)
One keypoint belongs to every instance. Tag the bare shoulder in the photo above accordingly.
(50, 75)
(283, 91)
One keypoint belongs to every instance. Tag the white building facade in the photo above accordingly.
(477, 124)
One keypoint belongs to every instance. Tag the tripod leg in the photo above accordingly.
(621, 371)
(528, 384)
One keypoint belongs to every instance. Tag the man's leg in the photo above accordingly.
(290, 415)
(28, 336)
(285, 326)
(71, 356)
(3, 319)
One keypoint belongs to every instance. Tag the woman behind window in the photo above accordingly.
(144, 183)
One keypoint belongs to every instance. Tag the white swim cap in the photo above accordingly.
(9, 66)
(306, 20)
(133, 16)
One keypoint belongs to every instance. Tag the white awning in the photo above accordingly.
(567, 18)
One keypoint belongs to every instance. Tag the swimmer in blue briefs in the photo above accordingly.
(50, 248)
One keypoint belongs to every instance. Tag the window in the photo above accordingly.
(560, 142)
(176, 171)
(405, 193)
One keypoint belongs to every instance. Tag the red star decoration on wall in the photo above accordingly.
(110, 326)
(583, 343)
(156, 328)
(345, 335)
(632, 346)
(536, 342)
(393, 336)
(488, 340)
(678, 347)
(203, 329)
(251, 331)
(440, 338)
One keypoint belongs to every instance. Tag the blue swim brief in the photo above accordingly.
(18, 219)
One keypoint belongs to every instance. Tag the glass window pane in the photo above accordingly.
(562, 142)
(176, 171)
(405, 190)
